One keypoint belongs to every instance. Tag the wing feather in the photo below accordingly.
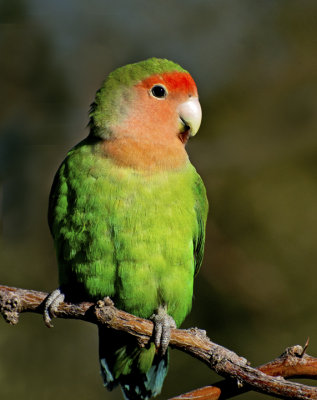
(201, 208)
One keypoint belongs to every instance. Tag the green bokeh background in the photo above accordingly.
(255, 64)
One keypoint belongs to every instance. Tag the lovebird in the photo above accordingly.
(127, 212)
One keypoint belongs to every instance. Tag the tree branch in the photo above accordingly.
(240, 377)
(293, 363)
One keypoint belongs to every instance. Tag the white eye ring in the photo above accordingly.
(158, 91)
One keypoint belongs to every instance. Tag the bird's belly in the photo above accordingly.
(162, 275)
(134, 243)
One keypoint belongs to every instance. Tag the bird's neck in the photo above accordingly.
(146, 155)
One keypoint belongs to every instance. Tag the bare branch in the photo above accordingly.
(14, 301)
(204, 393)
(293, 363)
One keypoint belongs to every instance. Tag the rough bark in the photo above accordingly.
(240, 377)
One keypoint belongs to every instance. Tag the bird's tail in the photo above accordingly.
(139, 371)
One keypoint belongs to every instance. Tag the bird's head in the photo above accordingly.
(151, 102)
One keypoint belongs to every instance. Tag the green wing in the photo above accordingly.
(201, 208)
(60, 188)
(53, 199)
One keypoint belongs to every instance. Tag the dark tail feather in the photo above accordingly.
(136, 386)
(139, 372)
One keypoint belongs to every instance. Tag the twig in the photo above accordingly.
(14, 301)
(293, 363)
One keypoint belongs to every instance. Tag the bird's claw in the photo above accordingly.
(51, 304)
(163, 323)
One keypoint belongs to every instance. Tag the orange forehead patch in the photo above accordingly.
(181, 82)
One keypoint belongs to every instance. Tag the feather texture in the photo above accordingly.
(127, 234)
(127, 212)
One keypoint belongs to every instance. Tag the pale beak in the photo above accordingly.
(190, 115)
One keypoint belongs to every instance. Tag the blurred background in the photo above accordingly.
(255, 64)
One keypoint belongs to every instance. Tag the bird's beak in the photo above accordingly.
(190, 118)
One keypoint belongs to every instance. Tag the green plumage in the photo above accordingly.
(134, 235)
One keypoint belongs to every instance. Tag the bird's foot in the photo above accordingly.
(163, 323)
(52, 302)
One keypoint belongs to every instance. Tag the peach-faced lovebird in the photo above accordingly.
(128, 211)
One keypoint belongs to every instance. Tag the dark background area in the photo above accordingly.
(255, 64)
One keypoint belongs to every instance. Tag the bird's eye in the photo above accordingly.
(159, 91)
